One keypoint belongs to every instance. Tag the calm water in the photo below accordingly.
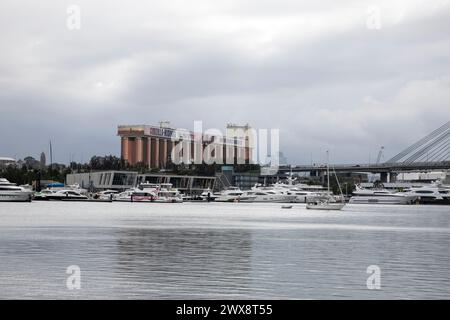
(222, 251)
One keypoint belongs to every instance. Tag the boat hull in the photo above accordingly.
(325, 206)
(65, 198)
(381, 200)
(15, 196)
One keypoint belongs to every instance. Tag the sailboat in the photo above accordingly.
(328, 203)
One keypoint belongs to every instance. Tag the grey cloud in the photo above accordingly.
(337, 85)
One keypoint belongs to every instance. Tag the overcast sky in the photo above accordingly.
(349, 76)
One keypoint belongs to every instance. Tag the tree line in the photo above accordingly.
(28, 170)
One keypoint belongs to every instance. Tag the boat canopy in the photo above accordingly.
(56, 185)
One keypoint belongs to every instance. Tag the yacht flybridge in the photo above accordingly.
(11, 192)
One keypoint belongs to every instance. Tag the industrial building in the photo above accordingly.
(152, 145)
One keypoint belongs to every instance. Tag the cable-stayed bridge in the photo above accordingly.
(432, 152)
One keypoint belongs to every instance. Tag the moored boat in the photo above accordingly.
(380, 196)
(329, 201)
(233, 194)
(10, 192)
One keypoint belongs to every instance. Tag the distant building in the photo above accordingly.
(245, 181)
(117, 180)
(243, 132)
(152, 145)
(121, 180)
(5, 162)
(186, 184)
(423, 176)
(43, 160)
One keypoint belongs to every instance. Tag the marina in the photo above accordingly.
(289, 192)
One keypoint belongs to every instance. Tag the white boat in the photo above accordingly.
(260, 193)
(233, 194)
(208, 195)
(436, 193)
(11, 192)
(302, 192)
(42, 195)
(163, 192)
(106, 195)
(303, 196)
(135, 195)
(380, 196)
(329, 202)
(56, 193)
(66, 194)
(325, 205)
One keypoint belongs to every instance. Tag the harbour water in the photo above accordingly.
(222, 251)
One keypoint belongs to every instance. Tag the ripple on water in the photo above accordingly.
(230, 251)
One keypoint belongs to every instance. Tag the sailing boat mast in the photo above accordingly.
(328, 171)
(51, 155)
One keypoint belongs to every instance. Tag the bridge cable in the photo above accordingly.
(420, 143)
(438, 151)
(426, 148)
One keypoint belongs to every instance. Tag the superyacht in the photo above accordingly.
(11, 192)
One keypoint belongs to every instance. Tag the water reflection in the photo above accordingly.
(180, 263)
(188, 252)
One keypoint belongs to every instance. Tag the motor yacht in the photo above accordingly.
(135, 195)
(380, 196)
(65, 194)
(58, 191)
(208, 195)
(435, 193)
(164, 192)
(11, 192)
(270, 194)
(233, 194)
(302, 192)
(106, 195)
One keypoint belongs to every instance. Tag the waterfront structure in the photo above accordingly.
(121, 180)
(185, 184)
(5, 161)
(103, 180)
(152, 146)
(426, 177)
